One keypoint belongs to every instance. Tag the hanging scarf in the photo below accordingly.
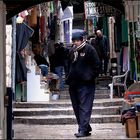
(77, 49)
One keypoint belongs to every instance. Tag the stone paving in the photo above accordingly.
(100, 131)
(0, 134)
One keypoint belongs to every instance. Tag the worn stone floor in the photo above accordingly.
(100, 131)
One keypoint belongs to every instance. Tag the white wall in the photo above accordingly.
(8, 54)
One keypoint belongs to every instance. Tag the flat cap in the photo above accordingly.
(77, 36)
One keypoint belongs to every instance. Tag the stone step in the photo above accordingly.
(100, 131)
(103, 82)
(66, 103)
(101, 90)
(102, 93)
(112, 110)
(99, 87)
(64, 119)
(107, 77)
(97, 96)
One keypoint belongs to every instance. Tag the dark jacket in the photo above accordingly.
(59, 56)
(86, 68)
(103, 45)
(40, 60)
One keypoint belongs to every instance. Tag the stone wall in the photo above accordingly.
(8, 54)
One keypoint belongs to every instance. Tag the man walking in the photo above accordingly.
(59, 62)
(103, 46)
(84, 68)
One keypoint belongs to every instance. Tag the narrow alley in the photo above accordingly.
(70, 69)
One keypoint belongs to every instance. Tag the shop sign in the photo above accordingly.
(93, 9)
(90, 9)
(104, 9)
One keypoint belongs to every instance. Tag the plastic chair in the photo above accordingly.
(118, 80)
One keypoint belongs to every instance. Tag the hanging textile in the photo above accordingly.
(23, 33)
(42, 28)
(44, 8)
(51, 7)
(52, 28)
(32, 21)
(125, 59)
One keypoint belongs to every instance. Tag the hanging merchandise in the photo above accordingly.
(55, 3)
(90, 25)
(52, 28)
(44, 8)
(125, 59)
(138, 58)
(61, 30)
(112, 37)
(44, 21)
(51, 7)
(32, 21)
(23, 14)
(24, 32)
(132, 11)
(48, 12)
(42, 28)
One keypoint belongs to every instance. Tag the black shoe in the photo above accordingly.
(89, 129)
(82, 134)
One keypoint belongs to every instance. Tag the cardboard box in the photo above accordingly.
(130, 127)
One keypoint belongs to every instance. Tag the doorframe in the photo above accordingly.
(3, 114)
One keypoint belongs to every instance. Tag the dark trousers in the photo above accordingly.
(104, 64)
(44, 70)
(52, 67)
(82, 97)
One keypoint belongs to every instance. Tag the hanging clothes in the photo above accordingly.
(42, 27)
(125, 59)
(23, 33)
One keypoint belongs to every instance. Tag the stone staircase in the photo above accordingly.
(102, 93)
(61, 112)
